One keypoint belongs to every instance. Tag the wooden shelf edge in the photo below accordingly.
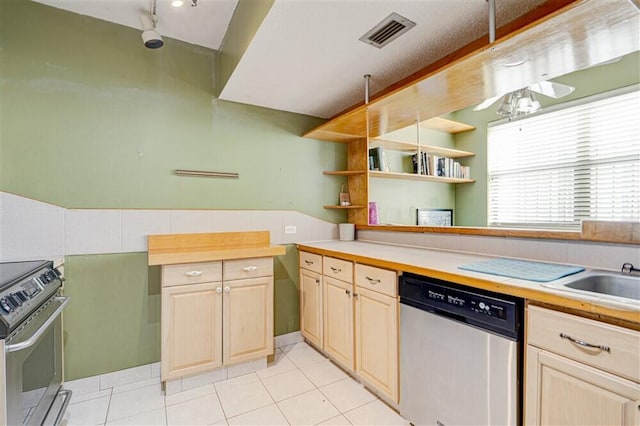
(413, 176)
(203, 255)
(500, 232)
(343, 172)
(343, 207)
(446, 125)
(397, 145)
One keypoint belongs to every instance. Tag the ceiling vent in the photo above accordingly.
(389, 29)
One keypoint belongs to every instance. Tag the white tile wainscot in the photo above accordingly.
(102, 231)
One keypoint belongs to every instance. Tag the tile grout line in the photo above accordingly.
(226, 419)
(315, 386)
(261, 381)
(275, 375)
(106, 415)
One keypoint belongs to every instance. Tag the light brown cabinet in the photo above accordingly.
(338, 311)
(358, 310)
(211, 318)
(191, 324)
(376, 329)
(311, 298)
(580, 371)
(247, 319)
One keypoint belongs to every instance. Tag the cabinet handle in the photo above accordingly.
(317, 281)
(250, 268)
(336, 270)
(227, 289)
(219, 290)
(355, 295)
(193, 273)
(373, 280)
(308, 262)
(585, 344)
(347, 291)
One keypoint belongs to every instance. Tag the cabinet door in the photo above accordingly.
(311, 306)
(248, 319)
(377, 341)
(191, 329)
(565, 392)
(338, 321)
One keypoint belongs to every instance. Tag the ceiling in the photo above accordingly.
(204, 25)
(306, 56)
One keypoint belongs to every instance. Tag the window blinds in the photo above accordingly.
(554, 169)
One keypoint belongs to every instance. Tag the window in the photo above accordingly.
(580, 160)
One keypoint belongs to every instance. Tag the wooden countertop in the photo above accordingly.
(444, 265)
(189, 256)
(187, 248)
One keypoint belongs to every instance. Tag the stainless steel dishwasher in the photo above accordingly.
(460, 354)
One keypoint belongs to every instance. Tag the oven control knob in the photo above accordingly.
(45, 278)
(14, 300)
(4, 305)
(22, 295)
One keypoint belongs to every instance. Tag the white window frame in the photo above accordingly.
(570, 217)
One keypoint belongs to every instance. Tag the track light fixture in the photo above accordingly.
(150, 36)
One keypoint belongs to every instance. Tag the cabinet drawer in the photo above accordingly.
(376, 279)
(310, 261)
(191, 273)
(247, 268)
(546, 326)
(338, 269)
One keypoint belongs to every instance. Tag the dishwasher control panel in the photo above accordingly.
(498, 313)
(481, 305)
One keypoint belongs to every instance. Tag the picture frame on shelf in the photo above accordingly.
(434, 217)
(344, 199)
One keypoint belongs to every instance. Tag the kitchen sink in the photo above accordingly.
(609, 284)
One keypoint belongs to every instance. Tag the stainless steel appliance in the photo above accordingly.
(460, 352)
(31, 344)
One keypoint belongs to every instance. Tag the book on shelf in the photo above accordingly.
(378, 159)
(435, 165)
(424, 167)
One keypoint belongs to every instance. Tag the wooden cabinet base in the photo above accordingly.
(565, 392)
(570, 381)
(311, 306)
(225, 322)
(190, 312)
(377, 341)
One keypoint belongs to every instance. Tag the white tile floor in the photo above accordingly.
(301, 387)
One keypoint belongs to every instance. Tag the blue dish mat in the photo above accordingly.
(522, 269)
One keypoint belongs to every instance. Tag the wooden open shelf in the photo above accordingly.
(343, 172)
(445, 125)
(414, 176)
(344, 207)
(396, 145)
(586, 32)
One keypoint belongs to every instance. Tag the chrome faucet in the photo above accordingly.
(627, 268)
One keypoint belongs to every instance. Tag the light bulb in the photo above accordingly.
(177, 3)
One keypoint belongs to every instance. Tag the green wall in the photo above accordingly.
(398, 200)
(104, 122)
(117, 119)
(114, 314)
(471, 199)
